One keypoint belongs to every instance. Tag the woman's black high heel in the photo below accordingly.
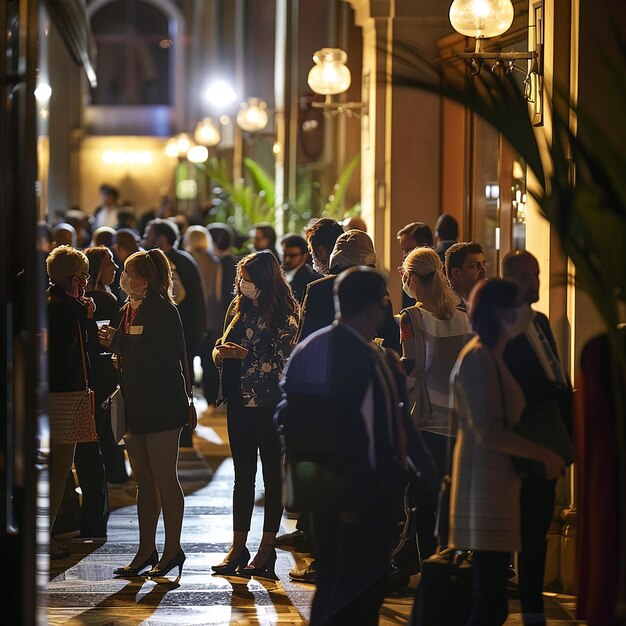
(158, 572)
(264, 571)
(234, 564)
(151, 561)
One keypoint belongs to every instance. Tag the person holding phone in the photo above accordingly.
(260, 331)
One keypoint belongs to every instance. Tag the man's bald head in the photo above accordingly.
(522, 267)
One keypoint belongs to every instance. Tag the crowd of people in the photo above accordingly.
(356, 412)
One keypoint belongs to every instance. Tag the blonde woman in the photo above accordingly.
(433, 331)
(70, 321)
(149, 347)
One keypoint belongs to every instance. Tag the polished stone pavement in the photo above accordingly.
(82, 590)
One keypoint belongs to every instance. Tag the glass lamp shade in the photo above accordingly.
(198, 154)
(329, 75)
(481, 18)
(171, 148)
(252, 115)
(183, 143)
(207, 133)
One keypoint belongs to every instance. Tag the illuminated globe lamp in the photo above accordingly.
(252, 115)
(330, 75)
(198, 154)
(481, 18)
(207, 133)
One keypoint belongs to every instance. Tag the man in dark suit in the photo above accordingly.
(352, 248)
(532, 358)
(296, 266)
(164, 234)
(342, 412)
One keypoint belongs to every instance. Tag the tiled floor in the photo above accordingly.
(82, 590)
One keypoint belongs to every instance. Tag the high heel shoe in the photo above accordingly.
(232, 565)
(151, 561)
(265, 571)
(159, 572)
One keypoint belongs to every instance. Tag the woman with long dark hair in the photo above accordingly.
(102, 268)
(149, 345)
(259, 334)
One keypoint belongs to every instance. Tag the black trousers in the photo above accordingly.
(489, 579)
(91, 478)
(352, 568)
(537, 509)
(252, 431)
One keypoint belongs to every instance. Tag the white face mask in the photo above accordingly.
(406, 287)
(131, 286)
(249, 289)
(522, 317)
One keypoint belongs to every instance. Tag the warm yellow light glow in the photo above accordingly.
(43, 92)
(330, 74)
(481, 18)
(126, 157)
(171, 148)
(207, 133)
(183, 143)
(198, 154)
(252, 115)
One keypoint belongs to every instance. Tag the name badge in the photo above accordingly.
(136, 330)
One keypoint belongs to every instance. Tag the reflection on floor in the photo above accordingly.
(82, 590)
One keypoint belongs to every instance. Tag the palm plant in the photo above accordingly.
(580, 189)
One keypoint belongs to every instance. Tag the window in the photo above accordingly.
(134, 52)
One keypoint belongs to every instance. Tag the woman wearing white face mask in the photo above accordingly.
(149, 345)
(487, 402)
(259, 334)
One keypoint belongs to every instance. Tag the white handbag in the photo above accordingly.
(118, 414)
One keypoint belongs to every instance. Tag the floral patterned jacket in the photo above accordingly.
(267, 354)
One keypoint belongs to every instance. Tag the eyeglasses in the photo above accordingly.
(288, 256)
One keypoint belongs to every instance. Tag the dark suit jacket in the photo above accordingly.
(318, 310)
(151, 373)
(65, 362)
(305, 275)
(192, 308)
(524, 364)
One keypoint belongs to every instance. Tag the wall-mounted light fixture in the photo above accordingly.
(207, 133)
(330, 76)
(483, 19)
(252, 115)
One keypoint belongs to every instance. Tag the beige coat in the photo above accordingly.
(484, 498)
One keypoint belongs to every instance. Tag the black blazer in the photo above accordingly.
(524, 364)
(65, 362)
(305, 275)
(151, 373)
(318, 310)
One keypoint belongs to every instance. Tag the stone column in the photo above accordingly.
(400, 135)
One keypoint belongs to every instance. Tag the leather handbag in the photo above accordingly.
(71, 414)
(444, 593)
(115, 402)
(419, 400)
